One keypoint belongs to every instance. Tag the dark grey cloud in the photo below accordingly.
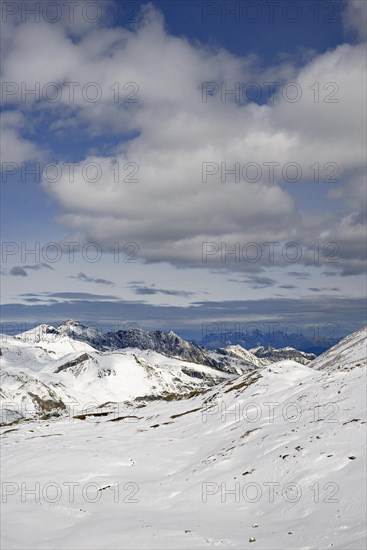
(148, 290)
(86, 279)
(255, 281)
(318, 289)
(22, 270)
(18, 272)
(197, 319)
(299, 274)
(287, 286)
(37, 267)
(259, 281)
(138, 288)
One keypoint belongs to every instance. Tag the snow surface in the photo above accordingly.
(197, 470)
(348, 353)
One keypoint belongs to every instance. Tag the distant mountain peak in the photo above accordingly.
(71, 322)
(269, 354)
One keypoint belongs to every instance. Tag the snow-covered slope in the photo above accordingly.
(128, 374)
(272, 459)
(347, 354)
(49, 338)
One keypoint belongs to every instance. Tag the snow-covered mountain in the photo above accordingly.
(41, 379)
(49, 370)
(167, 343)
(56, 341)
(238, 352)
(349, 353)
(268, 354)
(278, 339)
(272, 458)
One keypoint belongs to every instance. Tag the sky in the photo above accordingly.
(184, 165)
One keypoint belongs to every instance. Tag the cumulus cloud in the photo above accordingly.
(150, 189)
(14, 147)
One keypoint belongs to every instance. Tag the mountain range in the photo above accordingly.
(46, 368)
(317, 343)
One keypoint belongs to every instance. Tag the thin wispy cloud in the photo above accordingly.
(141, 289)
(299, 274)
(317, 289)
(258, 281)
(86, 279)
(287, 286)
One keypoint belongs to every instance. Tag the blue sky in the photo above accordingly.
(164, 172)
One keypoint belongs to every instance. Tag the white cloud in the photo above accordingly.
(170, 211)
(355, 18)
(14, 148)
